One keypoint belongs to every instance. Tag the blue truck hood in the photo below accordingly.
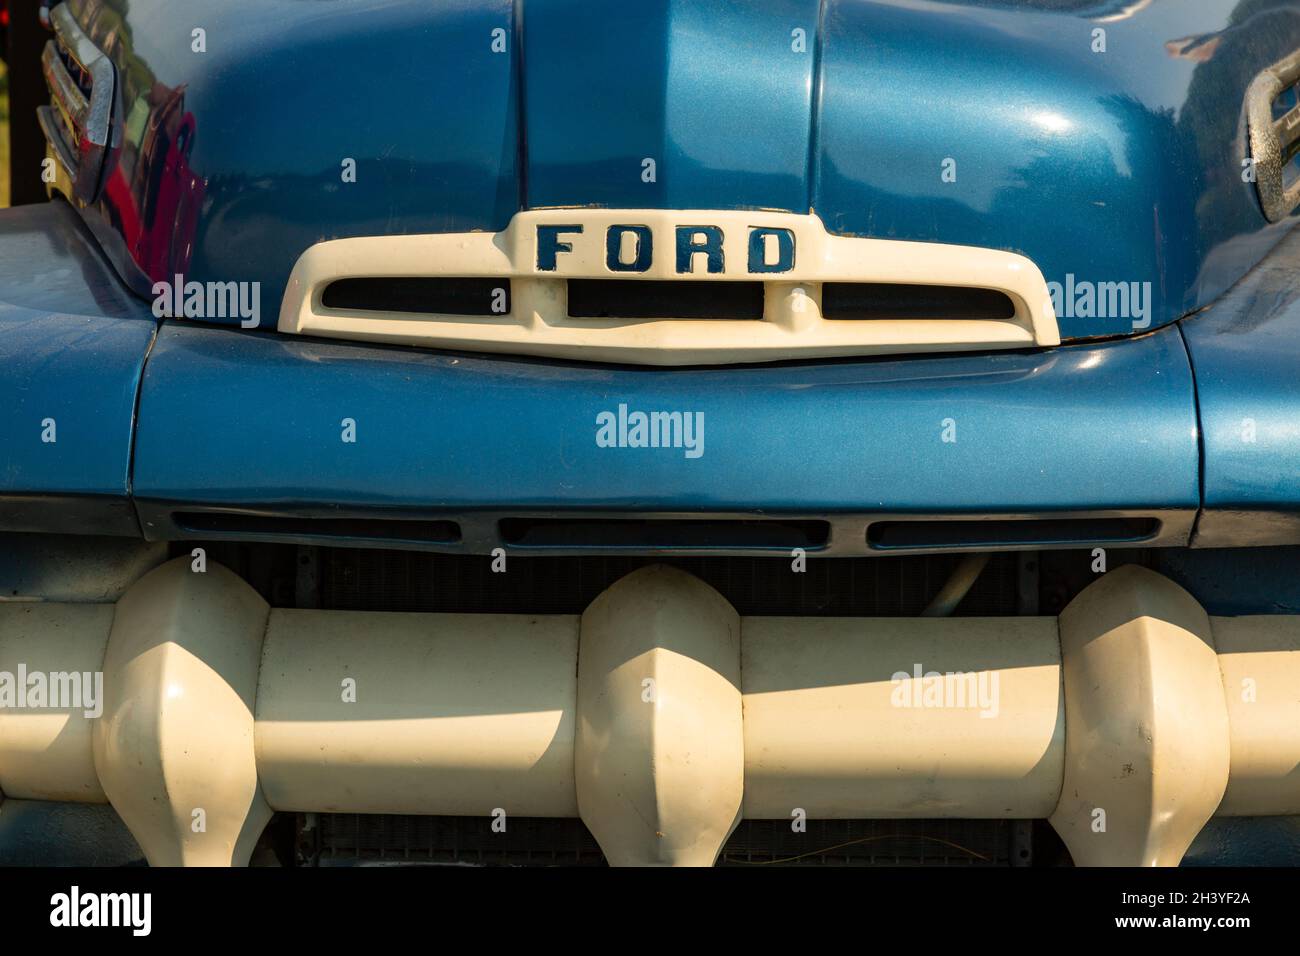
(1102, 139)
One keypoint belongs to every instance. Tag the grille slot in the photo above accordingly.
(292, 526)
(420, 295)
(1029, 532)
(883, 300)
(664, 299)
(662, 533)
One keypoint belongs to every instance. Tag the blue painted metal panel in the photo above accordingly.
(718, 94)
(1246, 353)
(72, 347)
(1109, 426)
(1114, 166)
(232, 159)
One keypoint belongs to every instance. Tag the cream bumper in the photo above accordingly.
(659, 716)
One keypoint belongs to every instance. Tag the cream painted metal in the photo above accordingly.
(1146, 746)
(833, 727)
(46, 754)
(174, 748)
(1260, 661)
(661, 747)
(383, 712)
(215, 702)
(792, 325)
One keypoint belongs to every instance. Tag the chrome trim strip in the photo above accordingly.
(64, 91)
(88, 118)
(98, 127)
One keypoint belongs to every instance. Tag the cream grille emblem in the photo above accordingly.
(792, 255)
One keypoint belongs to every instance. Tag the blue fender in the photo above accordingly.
(72, 348)
(1246, 353)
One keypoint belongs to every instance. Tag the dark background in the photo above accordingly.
(22, 89)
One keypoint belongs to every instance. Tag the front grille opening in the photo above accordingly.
(882, 585)
(966, 843)
(352, 579)
(295, 526)
(598, 533)
(664, 299)
(424, 295)
(883, 300)
(976, 533)
(350, 839)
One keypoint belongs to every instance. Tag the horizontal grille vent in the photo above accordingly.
(420, 295)
(883, 300)
(300, 527)
(664, 299)
(1031, 532)
(663, 533)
